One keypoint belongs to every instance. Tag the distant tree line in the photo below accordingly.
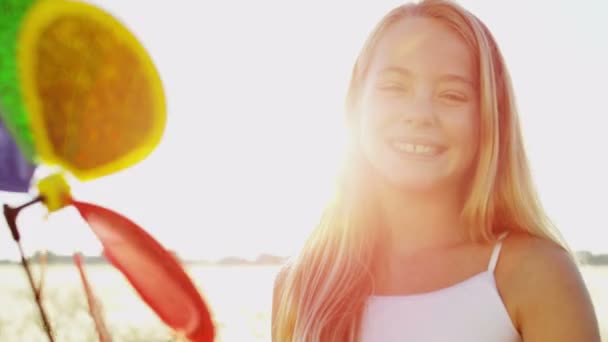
(588, 258)
(53, 258)
(262, 259)
(583, 257)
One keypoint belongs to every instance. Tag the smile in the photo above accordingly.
(416, 149)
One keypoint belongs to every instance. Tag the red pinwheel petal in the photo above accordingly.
(153, 271)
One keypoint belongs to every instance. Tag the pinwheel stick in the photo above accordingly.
(10, 214)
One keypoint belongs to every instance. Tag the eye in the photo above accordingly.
(392, 87)
(453, 96)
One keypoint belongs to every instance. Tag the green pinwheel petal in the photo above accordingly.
(12, 108)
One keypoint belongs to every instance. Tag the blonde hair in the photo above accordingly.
(322, 291)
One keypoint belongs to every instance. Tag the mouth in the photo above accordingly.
(415, 149)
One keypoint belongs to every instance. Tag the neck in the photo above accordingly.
(421, 221)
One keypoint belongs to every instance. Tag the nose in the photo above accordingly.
(420, 111)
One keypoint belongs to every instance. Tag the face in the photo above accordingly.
(418, 110)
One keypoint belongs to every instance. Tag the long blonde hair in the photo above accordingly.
(323, 290)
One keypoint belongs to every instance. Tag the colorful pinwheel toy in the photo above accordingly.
(78, 92)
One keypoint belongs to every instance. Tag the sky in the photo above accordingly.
(254, 132)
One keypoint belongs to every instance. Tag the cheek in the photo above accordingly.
(368, 122)
(370, 132)
(375, 116)
(464, 130)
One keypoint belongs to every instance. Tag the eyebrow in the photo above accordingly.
(408, 73)
(458, 78)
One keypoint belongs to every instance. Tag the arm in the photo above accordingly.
(554, 302)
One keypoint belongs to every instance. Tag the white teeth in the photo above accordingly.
(422, 149)
(416, 149)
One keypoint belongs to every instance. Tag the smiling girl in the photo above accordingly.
(436, 232)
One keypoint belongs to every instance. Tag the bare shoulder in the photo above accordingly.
(551, 300)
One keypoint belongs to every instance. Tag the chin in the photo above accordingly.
(415, 183)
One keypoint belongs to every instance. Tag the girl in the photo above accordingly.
(436, 232)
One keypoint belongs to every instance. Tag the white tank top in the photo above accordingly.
(471, 310)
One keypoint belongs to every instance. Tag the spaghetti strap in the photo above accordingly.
(496, 252)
